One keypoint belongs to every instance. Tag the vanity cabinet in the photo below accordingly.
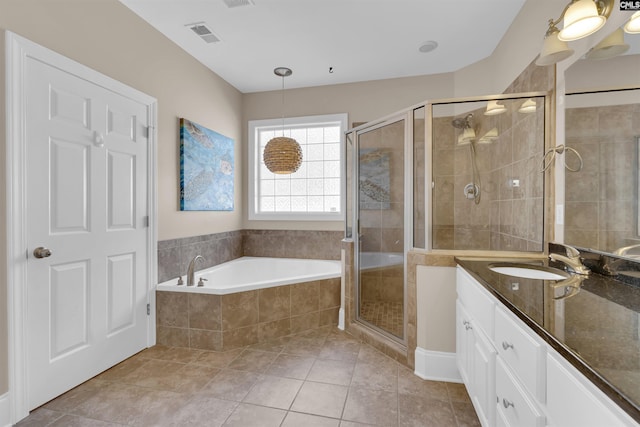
(516, 379)
(475, 353)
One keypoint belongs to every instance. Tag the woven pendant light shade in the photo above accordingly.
(282, 155)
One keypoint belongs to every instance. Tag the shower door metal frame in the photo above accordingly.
(407, 116)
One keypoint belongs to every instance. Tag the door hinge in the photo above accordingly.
(148, 309)
(145, 131)
(145, 221)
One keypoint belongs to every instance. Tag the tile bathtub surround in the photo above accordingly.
(223, 322)
(174, 255)
(322, 377)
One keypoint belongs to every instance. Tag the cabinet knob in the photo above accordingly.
(506, 403)
(506, 345)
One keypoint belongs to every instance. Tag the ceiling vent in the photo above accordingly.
(238, 3)
(204, 32)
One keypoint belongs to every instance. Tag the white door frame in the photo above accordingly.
(18, 49)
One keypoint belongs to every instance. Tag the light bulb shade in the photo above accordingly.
(610, 46)
(282, 155)
(489, 137)
(528, 106)
(553, 50)
(493, 108)
(580, 20)
(467, 136)
(633, 25)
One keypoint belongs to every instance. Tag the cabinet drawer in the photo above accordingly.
(514, 406)
(477, 301)
(523, 353)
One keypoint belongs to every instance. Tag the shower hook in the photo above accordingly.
(550, 156)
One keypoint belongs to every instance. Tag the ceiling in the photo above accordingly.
(330, 41)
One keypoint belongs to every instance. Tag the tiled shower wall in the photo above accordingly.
(601, 199)
(508, 217)
(174, 255)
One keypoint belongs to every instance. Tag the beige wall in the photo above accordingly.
(362, 101)
(109, 38)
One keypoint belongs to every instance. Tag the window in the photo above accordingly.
(314, 191)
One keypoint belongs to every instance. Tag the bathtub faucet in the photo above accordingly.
(191, 270)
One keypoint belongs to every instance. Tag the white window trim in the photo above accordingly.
(254, 164)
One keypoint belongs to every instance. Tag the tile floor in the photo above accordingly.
(323, 377)
(385, 315)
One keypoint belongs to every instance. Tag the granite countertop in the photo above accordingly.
(595, 326)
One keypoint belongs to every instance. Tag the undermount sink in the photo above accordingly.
(529, 271)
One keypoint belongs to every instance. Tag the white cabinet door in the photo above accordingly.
(464, 344)
(86, 196)
(484, 374)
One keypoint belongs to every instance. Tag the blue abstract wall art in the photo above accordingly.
(206, 169)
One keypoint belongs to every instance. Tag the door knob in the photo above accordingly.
(41, 252)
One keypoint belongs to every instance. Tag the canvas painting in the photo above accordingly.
(374, 179)
(206, 169)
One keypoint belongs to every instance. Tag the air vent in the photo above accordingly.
(238, 3)
(204, 32)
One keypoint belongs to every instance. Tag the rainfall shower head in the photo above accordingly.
(462, 122)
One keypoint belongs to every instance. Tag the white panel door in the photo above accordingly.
(86, 201)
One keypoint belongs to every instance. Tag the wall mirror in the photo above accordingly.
(602, 123)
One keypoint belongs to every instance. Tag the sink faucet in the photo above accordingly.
(190, 270)
(572, 260)
(624, 250)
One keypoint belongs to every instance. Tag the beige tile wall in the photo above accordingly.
(223, 322)
(601, 199)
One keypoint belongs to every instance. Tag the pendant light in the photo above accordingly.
(282, 155)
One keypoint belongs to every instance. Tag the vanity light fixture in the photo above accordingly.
(528, 106)
(633, 25)
(610, 46)
(553, 49)
(493, 108)
(489, 137)
(282, 155)
(580, 18)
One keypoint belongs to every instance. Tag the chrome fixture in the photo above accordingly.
(580, 18)
(201, 282)
(191, 269)
(550, 156)
(41, 252)
(624, 250)
(572, 260)
(282, 155)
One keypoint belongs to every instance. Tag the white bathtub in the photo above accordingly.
(369, 260)
(250, 273)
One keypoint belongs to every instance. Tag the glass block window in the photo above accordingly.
(313, 192)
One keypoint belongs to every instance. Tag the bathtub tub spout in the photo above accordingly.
(191, 270)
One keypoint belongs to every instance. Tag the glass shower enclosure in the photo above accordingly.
(459, 174)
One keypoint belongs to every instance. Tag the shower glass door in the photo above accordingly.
(381, 235)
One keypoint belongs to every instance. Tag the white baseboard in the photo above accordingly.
(437, 366)
(341, 319)
(5, 410)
